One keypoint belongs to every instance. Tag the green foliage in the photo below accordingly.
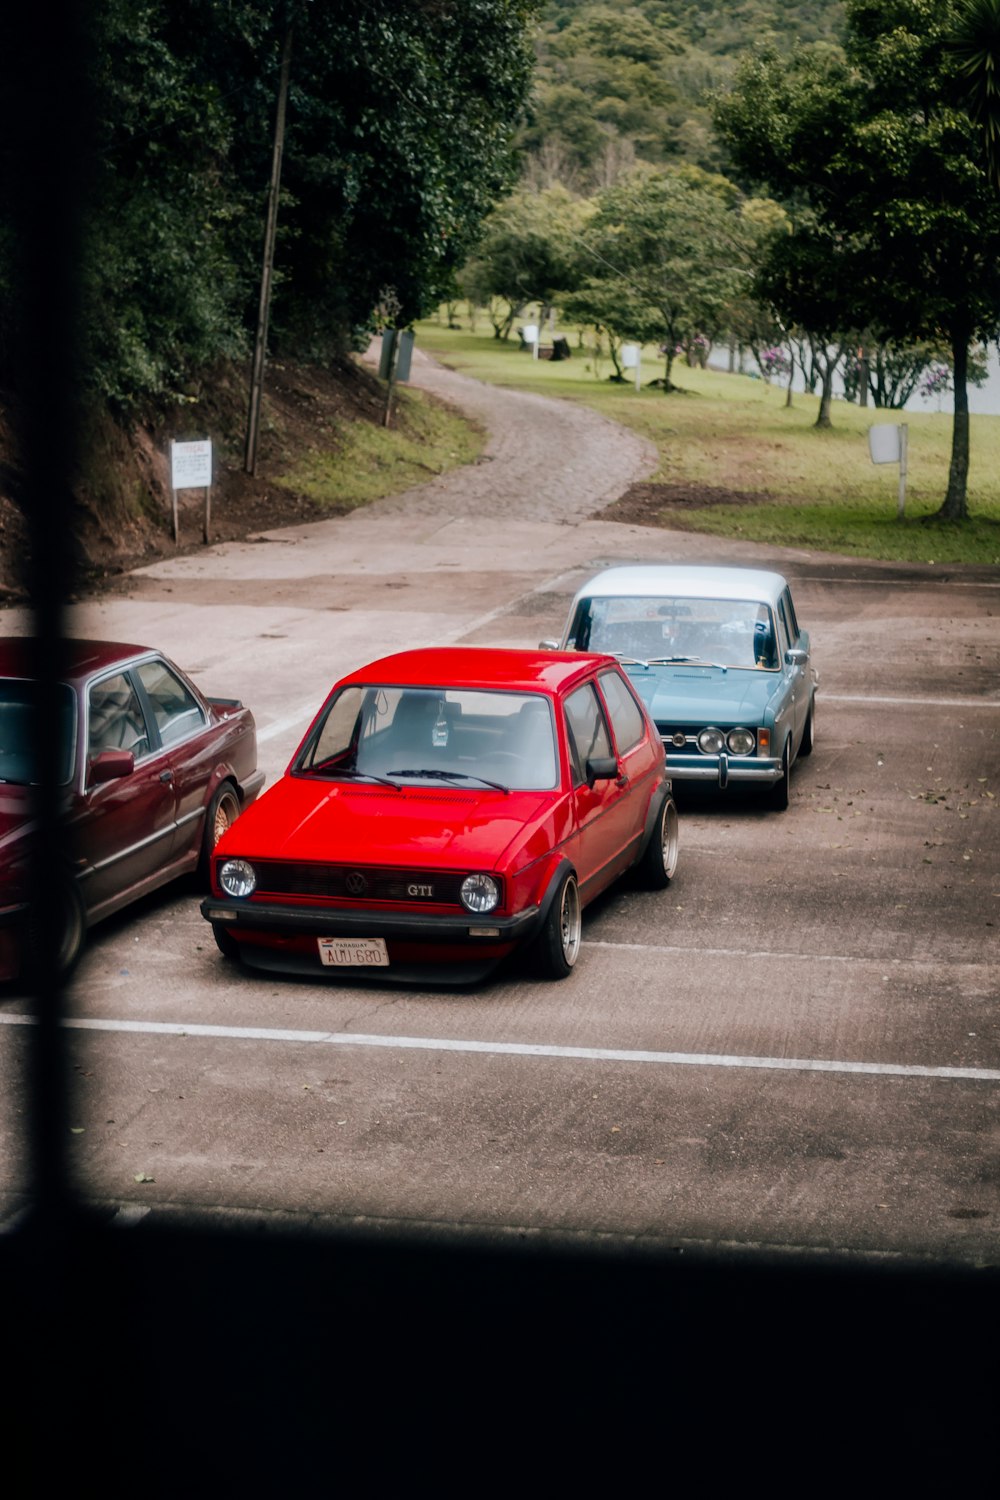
(618, 84)
(669, 255)
(974, 44)
(398, 141)
(528, 253)
(900, 234)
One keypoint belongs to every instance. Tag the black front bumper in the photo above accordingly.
(365, 922)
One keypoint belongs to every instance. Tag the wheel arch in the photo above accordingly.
(656, 801)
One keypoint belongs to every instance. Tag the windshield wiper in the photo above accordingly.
(700, 661)
(451, 776)
(341, 773)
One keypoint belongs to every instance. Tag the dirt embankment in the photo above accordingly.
(124, 504)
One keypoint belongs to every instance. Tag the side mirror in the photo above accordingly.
(110, 765)
(601, 768)
(796, 657)
(548, 645)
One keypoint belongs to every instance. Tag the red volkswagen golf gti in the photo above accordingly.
(445, 808)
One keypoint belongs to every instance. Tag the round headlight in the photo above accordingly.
(711, 741)
(237, 878)
(741, 741)
(480, 892)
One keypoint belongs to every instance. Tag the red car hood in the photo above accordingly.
(370, 824)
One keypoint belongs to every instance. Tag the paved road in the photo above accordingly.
(796, 1046)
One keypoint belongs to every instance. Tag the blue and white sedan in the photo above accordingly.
(720, 661)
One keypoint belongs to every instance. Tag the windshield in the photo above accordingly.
(17, 717)
(725, 632)
(423, 734)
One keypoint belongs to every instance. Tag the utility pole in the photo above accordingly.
(260, 344)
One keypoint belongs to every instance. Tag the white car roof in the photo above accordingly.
(692, 582)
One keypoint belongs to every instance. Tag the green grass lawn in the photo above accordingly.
(818, 487)
(368, 461)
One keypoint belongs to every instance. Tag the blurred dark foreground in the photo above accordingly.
(193, 1359)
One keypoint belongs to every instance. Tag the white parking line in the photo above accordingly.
(523, 1049)
(992, 703)
(780, 955)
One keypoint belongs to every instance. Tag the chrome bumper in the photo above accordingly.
(722, 769)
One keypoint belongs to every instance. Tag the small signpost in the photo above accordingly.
(191, 469)
(394, 363)
(531, 334)
(631, 354)
(887, 445)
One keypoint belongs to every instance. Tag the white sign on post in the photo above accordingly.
(630, 360)
(883, 443)
(191, 465)
(887, 445)
(191, 469)
(530, 335)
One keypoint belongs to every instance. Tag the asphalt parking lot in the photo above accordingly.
(795, 1047)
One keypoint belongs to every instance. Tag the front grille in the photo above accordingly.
(361, 883)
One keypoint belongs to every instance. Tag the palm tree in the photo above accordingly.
(975, 43)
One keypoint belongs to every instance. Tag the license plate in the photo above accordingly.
(354, 953)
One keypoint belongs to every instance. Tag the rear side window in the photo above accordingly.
(587, 730)
(115, 717)
(176, 711)
(627, 719)
(783, 636)
(793, 624)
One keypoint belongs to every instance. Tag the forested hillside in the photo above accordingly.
(616, 84)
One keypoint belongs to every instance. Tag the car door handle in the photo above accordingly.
(166, 775)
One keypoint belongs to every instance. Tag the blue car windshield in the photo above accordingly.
(725, 632)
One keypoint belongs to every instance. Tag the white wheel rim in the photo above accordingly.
(570, 922)
(668, 829)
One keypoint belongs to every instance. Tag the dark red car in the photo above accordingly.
(153, 772)
(445, 808)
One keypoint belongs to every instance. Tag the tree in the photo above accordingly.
(527, 253)
(668, 256)
(399, 140)
(876, 162)
(974, 41)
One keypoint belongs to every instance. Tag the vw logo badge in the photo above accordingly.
(356, 884)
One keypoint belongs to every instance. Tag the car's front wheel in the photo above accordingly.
(778, 796)
(656, 867)
(557, 946)
(223, 810)
(809, 732)
(67, 930)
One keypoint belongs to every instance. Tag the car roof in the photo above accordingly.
(80, 658)
(690, 581)
(488, 667)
